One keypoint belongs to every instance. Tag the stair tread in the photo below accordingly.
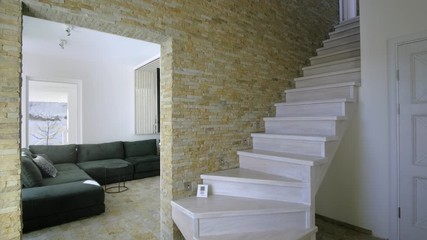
(335, 100)
(340, 37)
(342, 30)
(222, 206)
(334, 46)
(344, 84)
(307, 118)
(294, 234)
(335, 53)
(328, 74)
(330, 63)
(318, 138)
(251, 176)
(284, 157)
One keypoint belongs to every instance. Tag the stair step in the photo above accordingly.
(293, 166)
(350, 23)
(296, 144)
(222, 215)
(333, 66)
(345, 38)
(335, 56)
(251, 176)
(336, 48)
(299, 234)
(320, 126)
(283, 157)
(330, 91)
(330, 107)
(257, 185)
(350, 75)
(343, 29)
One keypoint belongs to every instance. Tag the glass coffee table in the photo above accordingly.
(120, 185)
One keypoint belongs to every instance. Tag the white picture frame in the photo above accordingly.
(202, 190)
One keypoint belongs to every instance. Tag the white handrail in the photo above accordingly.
(348, 9)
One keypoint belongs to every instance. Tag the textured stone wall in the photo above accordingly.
(10, 71)
(224, 64)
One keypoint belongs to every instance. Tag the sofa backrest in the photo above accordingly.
(140, 148)
(101, 151)
(57, 153)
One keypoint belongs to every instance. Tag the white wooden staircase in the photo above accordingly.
(272, 195)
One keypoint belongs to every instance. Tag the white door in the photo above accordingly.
(412, 123)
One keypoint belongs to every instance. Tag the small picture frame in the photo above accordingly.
(202, 190)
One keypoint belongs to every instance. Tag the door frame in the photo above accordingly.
(25, 100)
(392, 67)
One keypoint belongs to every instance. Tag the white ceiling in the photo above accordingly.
(43, 37)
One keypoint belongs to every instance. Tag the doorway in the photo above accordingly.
(52, 112)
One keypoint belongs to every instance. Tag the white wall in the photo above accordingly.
(356, 188)
(108, 95)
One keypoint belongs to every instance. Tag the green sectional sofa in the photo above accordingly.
(75, 191)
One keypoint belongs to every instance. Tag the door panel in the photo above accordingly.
(412, 97)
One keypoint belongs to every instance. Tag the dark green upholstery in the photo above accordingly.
(67, 172)
(96, 169)
(57, 153)
(145, 166)
(30, 173)
(140, 148)
(92, 152)
(55, 204)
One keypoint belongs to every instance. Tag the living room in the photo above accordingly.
(100, 109)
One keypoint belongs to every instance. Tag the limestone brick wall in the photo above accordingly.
(224, 64)
(10, 71)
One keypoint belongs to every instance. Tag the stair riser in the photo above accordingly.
(258, 191)
(338, 34)
(349, 92)
(332, 68)
(284, 169)
(256, 223)
(316, 127)
(334, 57)
(313, 110)
(184, 223)
(323, 51)
(339, 78)
(342, 40)
(312, 148)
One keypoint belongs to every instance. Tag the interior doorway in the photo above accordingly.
(52, 112)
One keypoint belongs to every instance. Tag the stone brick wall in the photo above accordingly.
(224, 64)
(10, 71)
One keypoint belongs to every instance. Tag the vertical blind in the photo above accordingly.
(146, 99)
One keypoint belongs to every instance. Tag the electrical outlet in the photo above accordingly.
(187, 186)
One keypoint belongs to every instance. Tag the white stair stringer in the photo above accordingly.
(272, 193)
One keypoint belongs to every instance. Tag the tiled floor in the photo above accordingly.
(134, 214)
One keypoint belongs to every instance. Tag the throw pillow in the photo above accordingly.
(46, 167)
(31, 175)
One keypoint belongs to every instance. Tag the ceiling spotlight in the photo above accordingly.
(62, 43)
(68, 29)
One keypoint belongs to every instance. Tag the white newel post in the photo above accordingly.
(348, 9)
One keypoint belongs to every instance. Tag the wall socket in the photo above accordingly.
(187, 186)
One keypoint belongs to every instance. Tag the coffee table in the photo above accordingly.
(120, 186)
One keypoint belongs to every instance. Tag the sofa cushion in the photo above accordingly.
(46, 167)
(67, 172)
(57, 153)
(97, 170)
(146, 163)
(140, 148)
(57, 199)
(91, 152)
(30, 173)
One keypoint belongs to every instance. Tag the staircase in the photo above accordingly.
(272, 195)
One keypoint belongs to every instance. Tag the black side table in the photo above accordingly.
(116, 168)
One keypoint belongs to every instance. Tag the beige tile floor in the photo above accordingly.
(134, 214)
